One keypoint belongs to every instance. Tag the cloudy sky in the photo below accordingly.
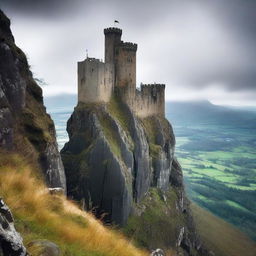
(201, 49)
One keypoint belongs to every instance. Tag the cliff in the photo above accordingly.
(25, 127)
(123, 169)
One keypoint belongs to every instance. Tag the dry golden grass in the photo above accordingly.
(29, 199)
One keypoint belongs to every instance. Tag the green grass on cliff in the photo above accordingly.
(111, 135)
(120, 112)
(39, 215)
(156, 222)
(150, 127)
(122, 115)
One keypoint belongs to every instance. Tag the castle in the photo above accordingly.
(98, 81)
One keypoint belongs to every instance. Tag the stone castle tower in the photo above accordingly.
(98, 81)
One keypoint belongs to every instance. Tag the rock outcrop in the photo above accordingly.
(25, 127)
(113, 160)
(44, 248)
(10, 240)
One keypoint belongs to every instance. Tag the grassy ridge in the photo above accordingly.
(39, 215)
(221, 237)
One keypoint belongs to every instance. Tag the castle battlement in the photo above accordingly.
(152, 86)
(98, 81)
(128, 46)
(113, 30)
(92, 60)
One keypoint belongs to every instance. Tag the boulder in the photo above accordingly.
(43, 248)
(10, 240)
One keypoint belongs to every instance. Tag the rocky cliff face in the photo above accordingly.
(25, 127)
(117, 165)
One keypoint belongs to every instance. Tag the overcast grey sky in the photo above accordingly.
(201, 49)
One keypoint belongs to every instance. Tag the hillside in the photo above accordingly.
(221, 237)
(41, 216)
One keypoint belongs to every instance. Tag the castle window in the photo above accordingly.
(92, 69)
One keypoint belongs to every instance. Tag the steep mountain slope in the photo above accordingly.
(25, 127)
(116, 164)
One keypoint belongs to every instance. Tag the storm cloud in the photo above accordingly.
(200, 49)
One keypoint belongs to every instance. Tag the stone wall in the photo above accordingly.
(150, 100)
(95, 81)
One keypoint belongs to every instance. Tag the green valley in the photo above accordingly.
(216, 148)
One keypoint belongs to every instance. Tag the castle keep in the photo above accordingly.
(98, 81)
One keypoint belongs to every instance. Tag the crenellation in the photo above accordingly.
(113, 30)
(153, 85)
(98, 80)
(93, 60)
(128, 46)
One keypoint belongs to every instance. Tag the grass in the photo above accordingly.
(122, 115)
(151, 129)
(221, 237)
(158, 222)
(39, 215)
(111, 134)
(118, 110)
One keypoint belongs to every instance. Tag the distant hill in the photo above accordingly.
(204, 112)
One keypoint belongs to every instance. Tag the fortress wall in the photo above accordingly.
(150, 100)
(95, 80)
